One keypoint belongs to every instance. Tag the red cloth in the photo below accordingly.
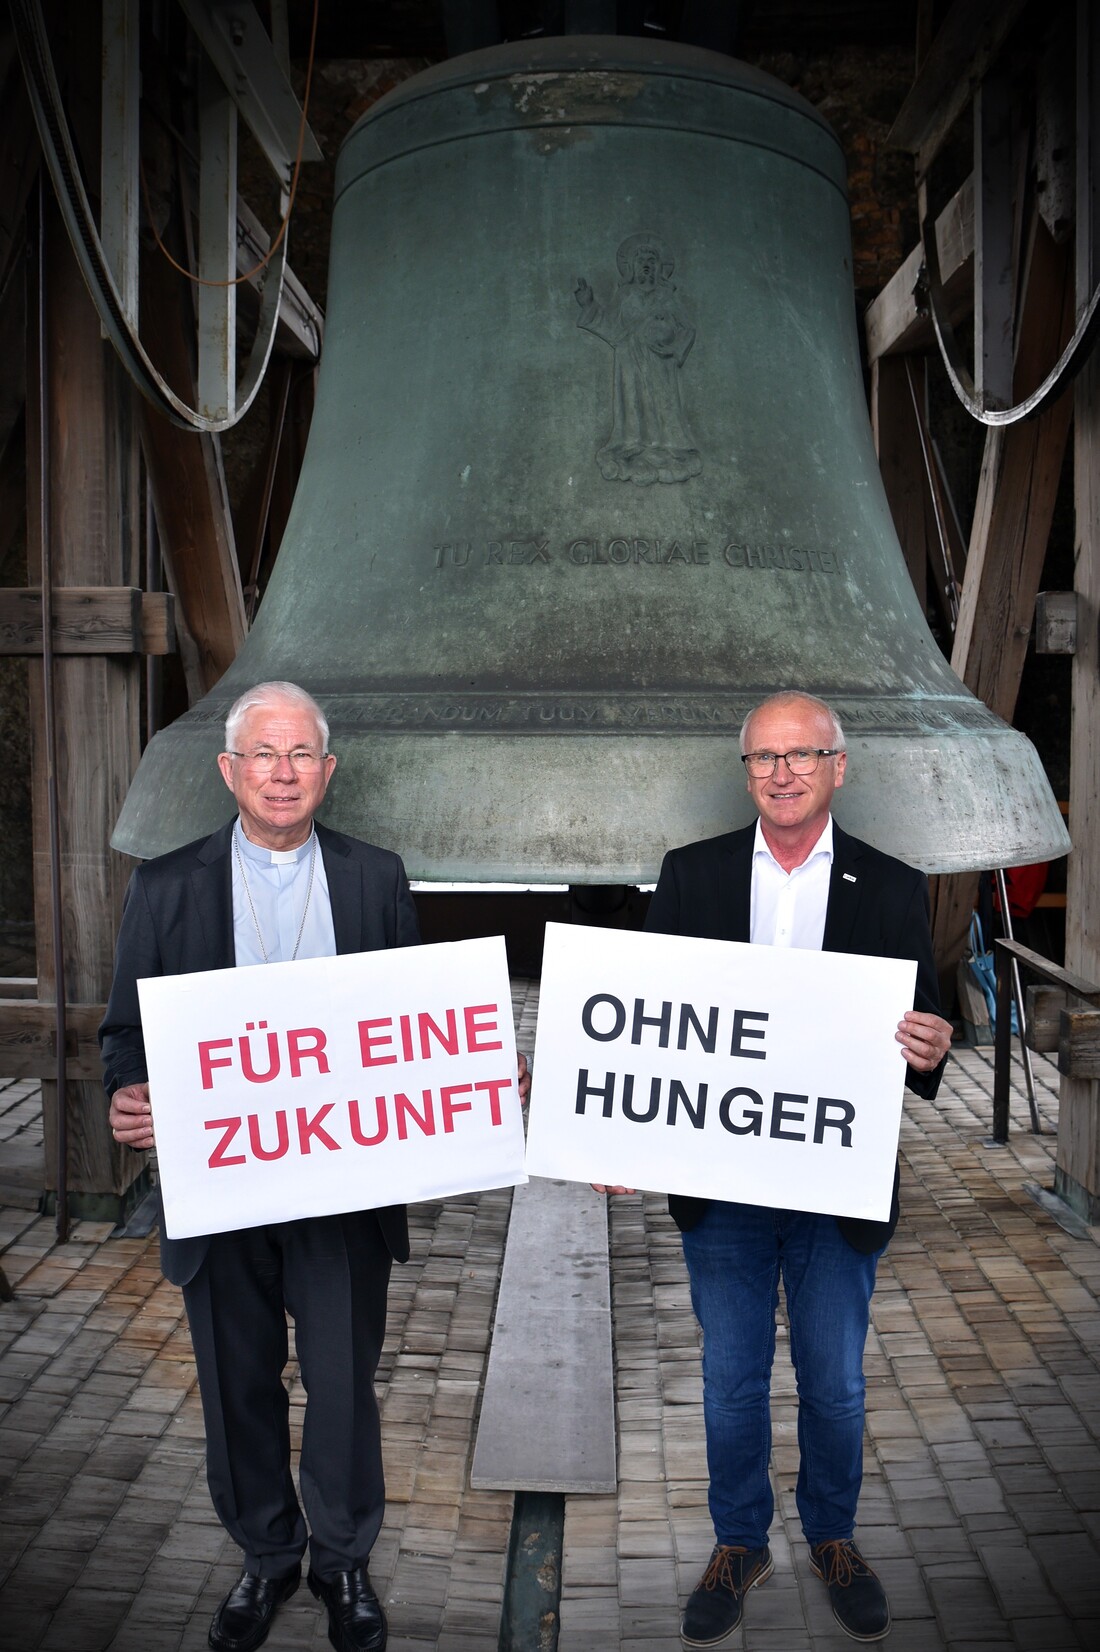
(1023, 885)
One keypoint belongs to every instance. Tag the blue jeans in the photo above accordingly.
(735, 1257)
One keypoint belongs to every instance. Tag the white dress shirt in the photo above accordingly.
(788, 908)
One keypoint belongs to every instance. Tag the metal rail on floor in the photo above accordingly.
(1009, 956)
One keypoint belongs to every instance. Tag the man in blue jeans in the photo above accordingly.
(793, 879)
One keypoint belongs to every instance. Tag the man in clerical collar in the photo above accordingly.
(273, 886)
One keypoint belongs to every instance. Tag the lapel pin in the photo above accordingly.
(849, 877)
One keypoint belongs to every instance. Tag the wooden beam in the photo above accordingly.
(288, 468)
(915, 485)
(1088, 151)
(301, 324)
(13, 331)
(20, 149)
(1056, 622)
(90, 482)
(254, 509)
(28, 1040)
(968, 40)
(900, 459)
(1054, 124)
(19, 986)
(92, 620)
(1044, 1005)
(1077, 1167)
(1021, 469)
(898, 318)
(215, 295)
(994, 249)
(548, 1408)
(190, 498)
(925, 30)
(13, 488)
(1079, 1043)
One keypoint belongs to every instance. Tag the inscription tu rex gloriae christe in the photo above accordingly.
(634, 552)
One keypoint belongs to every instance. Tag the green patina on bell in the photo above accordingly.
(590, 473)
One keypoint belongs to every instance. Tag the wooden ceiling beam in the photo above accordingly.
(190, 500)
(968, 40)
(301, 323)
(19, 147)
(1021, 469)
(898, 318)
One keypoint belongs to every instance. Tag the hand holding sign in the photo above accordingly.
(924, 1038)
(131, 1117)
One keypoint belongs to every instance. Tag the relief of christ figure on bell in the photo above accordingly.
(645, 325)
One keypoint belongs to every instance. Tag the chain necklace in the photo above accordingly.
(252, 909)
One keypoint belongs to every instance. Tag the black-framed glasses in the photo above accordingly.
(265, 759)
(762, 764)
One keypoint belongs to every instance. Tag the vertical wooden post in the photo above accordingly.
(92, 490)
(1021, 468)
(1077, 1170)
(187, 480)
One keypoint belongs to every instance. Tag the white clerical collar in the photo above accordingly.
(271, 857)
(823, 846)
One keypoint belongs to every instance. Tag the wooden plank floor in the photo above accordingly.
(548, 1409)
(982, 1490)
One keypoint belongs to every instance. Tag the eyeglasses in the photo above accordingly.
(761, 764)
(265, 759)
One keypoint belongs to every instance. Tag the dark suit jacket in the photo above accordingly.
(880, 909)
(178, 918)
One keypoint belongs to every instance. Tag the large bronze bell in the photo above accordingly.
(590, 473)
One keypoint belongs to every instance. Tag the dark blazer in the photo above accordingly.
(178, 918)
(878, 907)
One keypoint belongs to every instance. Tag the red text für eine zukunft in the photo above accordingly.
(261, 1055)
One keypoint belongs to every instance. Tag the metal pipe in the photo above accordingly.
(1017, 993)
(1002, 1046)
(153, 668)
(950, 583)
(50, 730)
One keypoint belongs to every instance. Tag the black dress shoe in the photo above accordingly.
(717, 1603)
(356, 1621)
(244, 1616)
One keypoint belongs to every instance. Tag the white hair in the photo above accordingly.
(269, 694)
(788, 696)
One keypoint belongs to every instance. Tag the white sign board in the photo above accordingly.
(331, 1084)
(763, 1075)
